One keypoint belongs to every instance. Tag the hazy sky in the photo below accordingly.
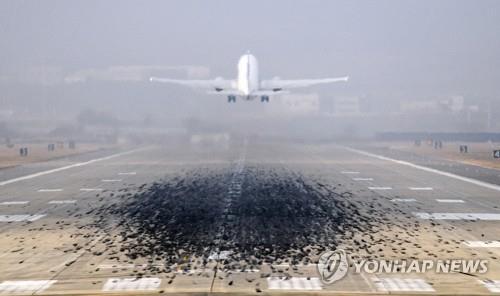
(387, 47)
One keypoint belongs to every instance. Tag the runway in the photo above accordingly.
(248, 218)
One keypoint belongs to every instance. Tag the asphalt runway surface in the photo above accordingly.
(250, 218)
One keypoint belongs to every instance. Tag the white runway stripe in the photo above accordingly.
(9, 203)
(482, 244)
(421, 188)
(127, 173)
(423, 168)
(380, 188)
(294, 283)
(20, 218)
(362, 179)
(131, 284)
(50, 190)
(349, 172)
(458, 216)
(403, 200)
(111, 180)
(401, 285)
(90, 189)
(18, 287)
(450, 200)
(66, 201)
(492, 285)
(27, 177)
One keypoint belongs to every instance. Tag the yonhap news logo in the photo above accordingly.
(333, 266)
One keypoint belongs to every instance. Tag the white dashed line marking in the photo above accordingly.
(349, 173)
(111, 180)
(430, 170)
(131, 284)
(492, 285)
(17, 287)
(403, 200)
(450, 200)
(421, 188)
(66, 201)
(401, 285)
(362, 179)
(13, 203)
(127, 173)
(293, 283)
(380, 188)
(20, 218)
(482, 244)
(458, 216)
(223, 255)
(50, 190)
(90, 189)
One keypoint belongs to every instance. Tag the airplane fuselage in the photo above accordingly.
(248, 75)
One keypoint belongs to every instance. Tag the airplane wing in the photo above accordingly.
(278, 84)
(217, 84)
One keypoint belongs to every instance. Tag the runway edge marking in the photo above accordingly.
(79, 164)
(427, 169)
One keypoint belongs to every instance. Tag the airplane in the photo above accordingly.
(248, 86)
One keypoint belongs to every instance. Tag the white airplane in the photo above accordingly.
(248, 85)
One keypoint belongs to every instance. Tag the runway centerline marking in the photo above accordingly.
(17, 287)
(450, 200)
(131, 284)
(482, 244)
(127, 173)
(9, 203)
(50, 190)
(75, 165)
(349, 173)
(427, 169)
(362, 179)
(111, 180)
(458, 216)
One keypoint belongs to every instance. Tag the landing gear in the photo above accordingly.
(231, 99)
(264, 99)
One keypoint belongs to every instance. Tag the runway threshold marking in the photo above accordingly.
(9, 203)
(492, 285)
(482, 244)
(450, 200)
(131, 284)
(294, 283)
(75, 165)
(50, 190)
(402, 285)
(427, 169)
(457, 216)
(20, 218)
(16, 287)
